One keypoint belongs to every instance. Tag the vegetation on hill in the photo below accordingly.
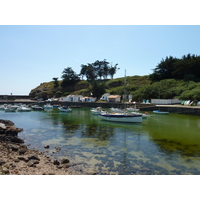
(172, 78)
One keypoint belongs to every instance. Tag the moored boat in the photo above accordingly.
(97, 110)
(64, 109)
(23, 109)
(160, 112)
(48, 106)
(121, 117)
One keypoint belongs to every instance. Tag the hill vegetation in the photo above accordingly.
(172, 78)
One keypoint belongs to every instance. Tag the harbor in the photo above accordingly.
(160, 145)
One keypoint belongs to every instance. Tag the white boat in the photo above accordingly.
(117, 110)
(36, 107)
(9, 109)
(64, 109)
(144, 115)
(23, 109)
(160, 112)
(2, 107)
(48, 106)
(132, 109)
(97, 111)
(121, 117)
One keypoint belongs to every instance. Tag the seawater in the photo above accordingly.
(161, 144)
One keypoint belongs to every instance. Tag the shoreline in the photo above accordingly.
(17, 159)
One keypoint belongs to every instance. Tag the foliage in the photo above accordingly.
(98, 69)
(69, 77)
(187, 68)
(58, 94)
(97, 89)
(56, 82)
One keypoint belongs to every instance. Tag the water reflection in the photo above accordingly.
(160, 145)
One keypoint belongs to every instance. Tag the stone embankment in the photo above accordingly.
(17, 159)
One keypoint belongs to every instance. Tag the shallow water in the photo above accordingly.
(161, 144)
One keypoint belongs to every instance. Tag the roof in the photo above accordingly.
(114, 96)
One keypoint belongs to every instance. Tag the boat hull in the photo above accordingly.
(160, 112)
(122, 118)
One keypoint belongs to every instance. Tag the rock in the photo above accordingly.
(2, 162)
(33, 157)
(56, 162)
(23, 158)
(13, 147)
(32, 163)
(2, 126)
(22, 151)
(46, 146)
(6, 122)
(65, 160)
(57, 149)
(12, 131)
(5, 170)
(14, 139)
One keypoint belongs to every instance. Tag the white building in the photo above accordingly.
(72, 98)
(165, 101)
(114, 98)
(89, 99)
(105, 96)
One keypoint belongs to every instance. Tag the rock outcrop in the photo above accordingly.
(16, 158)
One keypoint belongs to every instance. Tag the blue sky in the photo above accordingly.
(30, 55)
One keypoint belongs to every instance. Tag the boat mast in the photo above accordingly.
(125, 90)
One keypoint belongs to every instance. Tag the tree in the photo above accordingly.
(113, 70)
(97, 89)
(69, 76)
(56, 83)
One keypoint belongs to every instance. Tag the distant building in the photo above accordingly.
(71, 98)
(14, 97)
(105, 96)
(114, 98)
(89, 99)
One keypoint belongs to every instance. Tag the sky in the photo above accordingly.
(32, 54)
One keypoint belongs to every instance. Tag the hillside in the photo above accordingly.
(141, 87)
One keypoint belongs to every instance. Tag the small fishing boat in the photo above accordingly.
(132, 109)
(160, 112)
(64, 109)
(48, 106)
(36, 107)
(97, 111)
(23, 109)
(117, 110)
(2, 107)
(9, 109)
(144, 115)
(121, 117)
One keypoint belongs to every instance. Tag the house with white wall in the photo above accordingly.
(114, 98)
(89, 99)
(72, 98)
(105, 96)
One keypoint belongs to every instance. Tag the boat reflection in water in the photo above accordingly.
(161, 144)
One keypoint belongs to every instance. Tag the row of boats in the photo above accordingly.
(114, 114)
(26, 108)
(123, 115)
(120, 115)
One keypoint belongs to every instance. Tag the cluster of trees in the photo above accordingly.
(92, 72)
(187, 68)
(98, 69)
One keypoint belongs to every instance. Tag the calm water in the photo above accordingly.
(161, 144)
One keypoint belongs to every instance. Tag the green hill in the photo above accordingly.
(140, 87)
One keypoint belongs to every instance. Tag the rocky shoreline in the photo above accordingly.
(17, 159)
